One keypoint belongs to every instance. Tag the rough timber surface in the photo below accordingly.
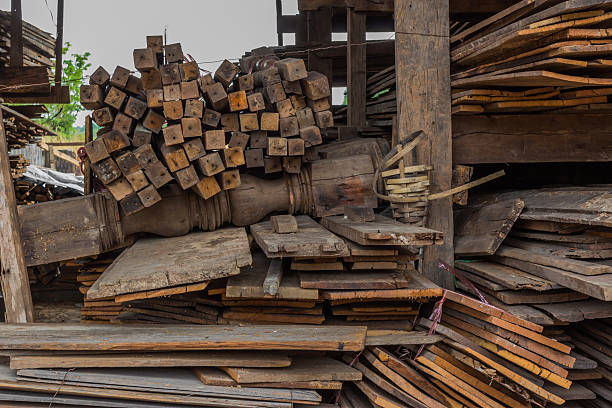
(40, 336)
(311, 240)
(381, 231)
(418, 287)
(175, 381)
(179, 359)
(155, 263)
(480, 230)
(355, 280)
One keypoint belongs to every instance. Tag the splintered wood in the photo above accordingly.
(171, 123)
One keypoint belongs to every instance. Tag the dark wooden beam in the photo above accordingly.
(16, 51)
(423, 100)
(356, 68)
(13, 273)
(546, 137)
(386, 6)
(59, 45)
(57, 95)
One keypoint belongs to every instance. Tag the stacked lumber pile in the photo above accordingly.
(169, 365)
(550, 265)
(535, 56)
(174, 124)
(486, 358)
(38, 45)
(19, 165)
(19, 131)
(28, 191)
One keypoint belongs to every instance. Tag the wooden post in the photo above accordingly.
(87, 173)
(422, 61)
(356, 67)
(13, 273)
(59, 45)
(319, 34)
(279, 16)
(16, 51)
(51, 157)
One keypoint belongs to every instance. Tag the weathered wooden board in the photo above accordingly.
(186, 359)
(305, 368)
(530, 78)
(169, 381)
(393, 337)
(510, 278)
(355, 280)
(311, 240)
(599, 286)
(178, 337)
(155, 263)
(249, 284)
(381, 231)
(70, 228)
(215, 376)
(578, 311)
(419, 287)
(481, 230)
(567, 251)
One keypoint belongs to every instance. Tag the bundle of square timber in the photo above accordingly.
(534, 56)
(174, 124)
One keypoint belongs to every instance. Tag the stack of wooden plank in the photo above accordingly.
(487, 358)
(19, 165)
(535, 56)
(38, 45)
(28, 191)
(173, 124)
(171, 365)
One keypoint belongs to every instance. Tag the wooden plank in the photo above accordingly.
(392, 337)
(273, 278)
(530, 78)
(491, 311)
(381, 231)
(14, 276)
(16, 49)
(518, 139)
(186, 359)
(481, 230)
(249, 283)
(148, 294)
(589, 253)
(195, 257)
(214, 376)
(578, 311)
(179, 337)
(422, 57)
(301, 369)
(567, 264)
(510, 278)
(169, 381)
(419, 287)
(598, 286)
(355, 280)
(311, 240)
(356, 67)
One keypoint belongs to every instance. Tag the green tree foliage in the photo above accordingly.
(61, 118)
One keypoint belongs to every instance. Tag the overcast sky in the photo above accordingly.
(111, 29)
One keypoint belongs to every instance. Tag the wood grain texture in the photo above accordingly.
(179, 337)
(422, 56)
(481, 230)
(419, 287)
(14, 276)
(311, 240)
(155, 263)
(382, 231)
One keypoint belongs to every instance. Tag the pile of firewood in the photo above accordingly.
(173, 123)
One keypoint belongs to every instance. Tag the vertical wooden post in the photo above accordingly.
(51, 157)
(319, 34)
(59, 46)
(279, 16)
(87, 173)
(422, 64)
(356, 67)
(13, 273)
(16, 51)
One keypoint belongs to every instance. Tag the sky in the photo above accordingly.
(208, 30)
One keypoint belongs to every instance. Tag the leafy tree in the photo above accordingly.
(61, 118)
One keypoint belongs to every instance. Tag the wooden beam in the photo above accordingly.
(466, 7)
(16, 51)
(59, 45)
(87, 172)
(553, 137)
(13, 276)
(279, 17)
(423, 100)
(356, 68)
(57, 95)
